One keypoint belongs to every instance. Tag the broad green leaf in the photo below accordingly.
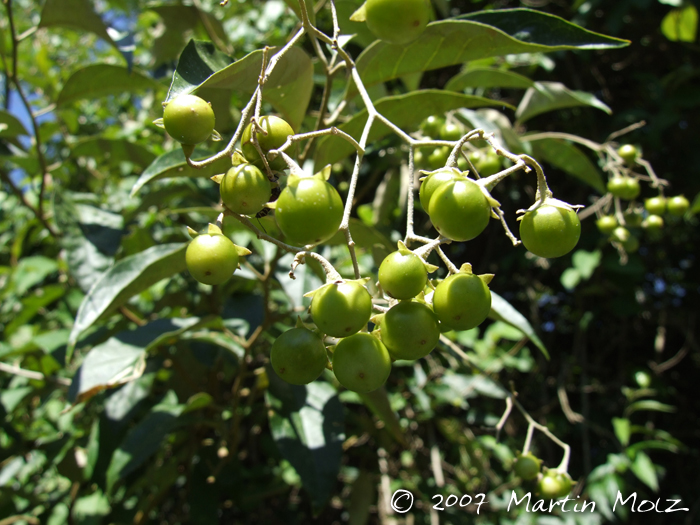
(550, 96)
(486, 77)
(449, 42)
(570, 278)
(10, 126)
(622, 430)
(126, 278)
(502, 310)
(198, 401)
(74, 14)
(586, 262)
(643, 468)
(173, 164)
(101, 80)
(648, 404)
(307, 425)
(90, 509)
(144, 439)
(116, 150)
(288, 89)
(681, 25)
(378, 402)
(362, 497)
(568, 158)
(294, 5)
(406, 111)
(31, 305)
(31, 271)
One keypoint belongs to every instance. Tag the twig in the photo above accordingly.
(30, 374)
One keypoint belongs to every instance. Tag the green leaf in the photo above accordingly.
(10, 126)
(74, 14)
(570, 278)
(406, 111)
(294, 5)
(487, 77)
(622, 430)
(586, 262)
(695, 206)
(126, 278)
(101, 80)
(288, 89)
(363, 35)
(648, 404)
(550, 96)
(659, 445)
(378, 402)
(568, 158)
(502, 310)
(144, 439)
(173, 164)
(91, 509)
(31, 271)
(116, 150)
(681, 25)
(643, 468)
(362, 497)
(307, 425)
(31, 305)
(484, 35)
(198, 401)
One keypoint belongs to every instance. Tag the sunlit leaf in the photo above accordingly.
(502, 310)
(101, 80)
(551, 96)
(486, 77)
(74, 14)
(681, 25)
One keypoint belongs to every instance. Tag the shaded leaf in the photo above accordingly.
(502, 310)
(10, 126)
(173, 164)
(198, 401)
(406, 111)
(482, 35)
(144, 439)
(294, 5)
(550, 96)
(126, 278)
(568, 158)
(378, 402)
(31, 271)
(307, 425)
(101, 80)
(288, 89)
(486, 77)
(74, 14)
(116, 150)
(648, 404)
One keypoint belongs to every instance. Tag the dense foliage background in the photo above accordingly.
(200, 432)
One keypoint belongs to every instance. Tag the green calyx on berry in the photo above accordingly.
(527, 466)
(403, 274)
(361, 362)
(273, 135)
(211, 257)
(341, 308)
(188, 119)
(309, 210)
(463, 300)
(245, 189)
(550, 230)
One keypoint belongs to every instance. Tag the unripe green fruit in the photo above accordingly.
(624, 187)
(298, 356)
(432, 182)
(361, 363)
(653, 223)
(628, 153)
(606, 224)
(277, 132)
(631, 245)
(678, 205)
(620, 234)
(451, 132)
(554, 484)
(211, 259)
(188, 119)
(438, 157)
(459, 209)
(309, 210)
(432, 125)
(550, 231)
(462, 301)
(633, 218)
(341, 309)
(410, 330)
(488, 164)
(397, 21)
(527, 466)
(655, 205)
(402, 275)
(245, 189)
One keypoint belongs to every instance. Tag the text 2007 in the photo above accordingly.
(453, 500)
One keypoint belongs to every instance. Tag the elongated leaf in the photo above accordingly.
(569, 158)
(649, 404)
(502, 310)
(378, 402)
(74, 14)
(307, 425)
(450, 42)
(622, 430)
(117, 150)
(10, 126)
(173, 164)
(122, 358)
(406, 111)
(288, 88)
(550, 96)
(125, 279)
(487, 77)
(144, 439)
(643, 468)
(101, 80)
